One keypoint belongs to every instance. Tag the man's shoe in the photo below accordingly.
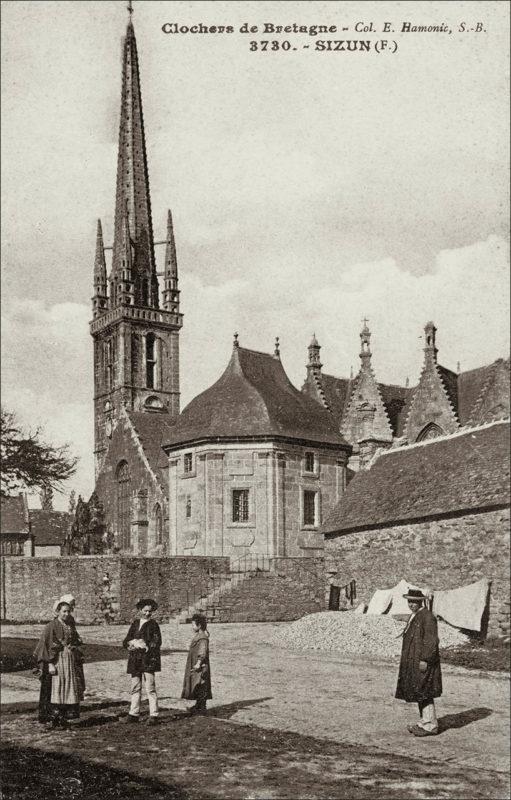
(152, 721)
(130, 719)
(418, 731)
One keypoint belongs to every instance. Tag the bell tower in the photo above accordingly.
(136, 342)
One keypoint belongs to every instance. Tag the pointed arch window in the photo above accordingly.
(431, 431)
(150, 360)
(158, 524)
(124, 505)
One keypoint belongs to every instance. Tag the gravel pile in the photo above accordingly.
(353, 634)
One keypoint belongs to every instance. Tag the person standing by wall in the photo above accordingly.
(420, 678)
(143, 642)
(197, 679)
(57, 655)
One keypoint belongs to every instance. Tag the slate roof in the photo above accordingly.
(471, 386)
(462, 472)
(254, 399)
(14, 515)
(337, 392)
(152, 430)
(49, 527)
(396, 400)
(450, 381)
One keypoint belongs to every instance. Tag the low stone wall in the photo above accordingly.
(106, 587)
(439, 554)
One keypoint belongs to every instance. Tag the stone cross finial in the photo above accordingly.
(276, 352)
(130, 8)
(235, 342)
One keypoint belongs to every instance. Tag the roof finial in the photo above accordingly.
(130, 7)
(458, 367)
(276, 352)
(351, 372)
(407, 382)
(235, 342)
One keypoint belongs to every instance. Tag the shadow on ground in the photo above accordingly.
(209, 757)
(462, 718)
(30, 774)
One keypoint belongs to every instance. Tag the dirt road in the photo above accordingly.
(337, 716)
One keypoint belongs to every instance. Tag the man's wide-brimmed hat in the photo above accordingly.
(147, 601)
(414, 594)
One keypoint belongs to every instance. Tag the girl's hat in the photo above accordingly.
(147, 601)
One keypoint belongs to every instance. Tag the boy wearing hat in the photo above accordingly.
(420, 678)
(143, 642)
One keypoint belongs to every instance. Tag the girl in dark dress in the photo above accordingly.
(197, 680)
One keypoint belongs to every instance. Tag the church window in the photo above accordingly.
(310, 462)
(158, 524)
(124, 505)
(431, 431)
(188, 462)
(150, 360)
(188, 512)
(240, 505)
(310, 508)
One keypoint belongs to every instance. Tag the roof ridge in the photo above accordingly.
(461, 432)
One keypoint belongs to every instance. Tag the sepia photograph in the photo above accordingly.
(255, 400)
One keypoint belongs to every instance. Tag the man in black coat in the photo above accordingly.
(420, 678)
(143, 642)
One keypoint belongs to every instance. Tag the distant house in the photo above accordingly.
(15, 535)
(49, 530)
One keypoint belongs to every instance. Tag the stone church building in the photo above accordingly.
(252, 465)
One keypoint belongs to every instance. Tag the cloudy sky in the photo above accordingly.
(309, 189)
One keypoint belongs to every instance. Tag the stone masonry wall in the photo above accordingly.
(106, 587)
(200, 500)
(442, 554)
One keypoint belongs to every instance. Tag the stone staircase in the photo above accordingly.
(275, 591)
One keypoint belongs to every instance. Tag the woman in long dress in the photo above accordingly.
(58, 655)
(197, 679)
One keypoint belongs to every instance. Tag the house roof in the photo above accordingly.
(396, 400)
(49, 527)
(337, 392)
(463, 472)
(14, 515)
(254, 399)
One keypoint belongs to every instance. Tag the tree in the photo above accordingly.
(87, 535)
(30, 463)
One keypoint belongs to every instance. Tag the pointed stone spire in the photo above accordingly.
(314, 364)
(100, 297)
(171, 291)
(123, 276)
(132, 192)
(430, 348)
(365, 350)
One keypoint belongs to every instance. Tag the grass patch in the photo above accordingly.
(492, 654)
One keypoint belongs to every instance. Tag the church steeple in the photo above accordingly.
(100, 298)
(171, 291)
(132, 197)
(136, 343)
(314, 364)
(365, 347)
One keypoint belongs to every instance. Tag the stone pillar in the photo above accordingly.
(174, 547)
(340, 478)
(279, 546)
(262, 504)
(214, 506)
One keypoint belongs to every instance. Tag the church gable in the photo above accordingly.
(493, 401)
(366, 416)
(432, 410)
